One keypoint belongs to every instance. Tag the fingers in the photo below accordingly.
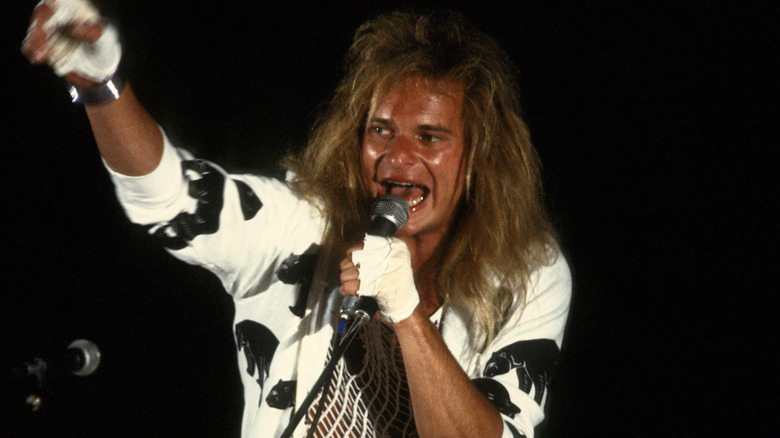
(88, 32)
(349, 272)
(37, 45)
(349, 277)
(346, 263)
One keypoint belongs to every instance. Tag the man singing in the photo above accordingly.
(473, 292)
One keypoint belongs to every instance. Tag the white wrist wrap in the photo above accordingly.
(97, 61)
(385, 273)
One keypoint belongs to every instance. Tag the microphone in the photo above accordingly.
(81, 358)
(389, 214)
(84, 357)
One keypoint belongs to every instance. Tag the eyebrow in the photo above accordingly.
(379, 120)
(435, 128)
(432, 128)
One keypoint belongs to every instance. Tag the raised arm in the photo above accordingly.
(128, 138)
(81, 47)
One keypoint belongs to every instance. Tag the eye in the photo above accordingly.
(378, 130)
(429, 138)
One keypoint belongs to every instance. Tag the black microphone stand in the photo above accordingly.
(388, 214)
(343, 338)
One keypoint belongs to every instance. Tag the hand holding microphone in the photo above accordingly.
(382, 268)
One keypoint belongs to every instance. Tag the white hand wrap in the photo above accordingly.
(385, 273)
(97, 61)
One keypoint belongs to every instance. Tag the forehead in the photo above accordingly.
(420, 95)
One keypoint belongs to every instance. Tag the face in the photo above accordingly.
(413, 147)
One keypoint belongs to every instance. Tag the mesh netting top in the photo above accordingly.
(369, 394)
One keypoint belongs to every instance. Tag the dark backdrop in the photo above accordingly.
(648, 122)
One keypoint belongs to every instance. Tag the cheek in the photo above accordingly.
(460, 180)
(372, 155)
(451, 171)
(368, 162)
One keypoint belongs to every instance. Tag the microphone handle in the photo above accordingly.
(381, 226)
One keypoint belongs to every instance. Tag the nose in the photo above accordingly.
(400, 151)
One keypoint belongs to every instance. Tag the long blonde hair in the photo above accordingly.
(502, 232)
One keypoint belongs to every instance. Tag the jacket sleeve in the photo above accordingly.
(516, 368)
(240, 227)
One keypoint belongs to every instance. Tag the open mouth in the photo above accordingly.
(414, 194)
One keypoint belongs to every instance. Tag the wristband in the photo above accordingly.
(101, 94)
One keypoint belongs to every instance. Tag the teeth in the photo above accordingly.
(415, 201)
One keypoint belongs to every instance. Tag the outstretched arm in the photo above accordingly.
(128, 138)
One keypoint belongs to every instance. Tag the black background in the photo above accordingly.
(649, 122)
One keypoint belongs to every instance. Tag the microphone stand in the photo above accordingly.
(388, 214)
(342, 341)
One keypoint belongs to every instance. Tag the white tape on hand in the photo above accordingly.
(372, 262)
(96, 61)
(68, 12)
(385, 273)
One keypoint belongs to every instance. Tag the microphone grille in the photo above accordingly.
(90, 356)
(391, 207)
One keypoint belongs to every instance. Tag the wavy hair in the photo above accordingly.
(502, 232)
